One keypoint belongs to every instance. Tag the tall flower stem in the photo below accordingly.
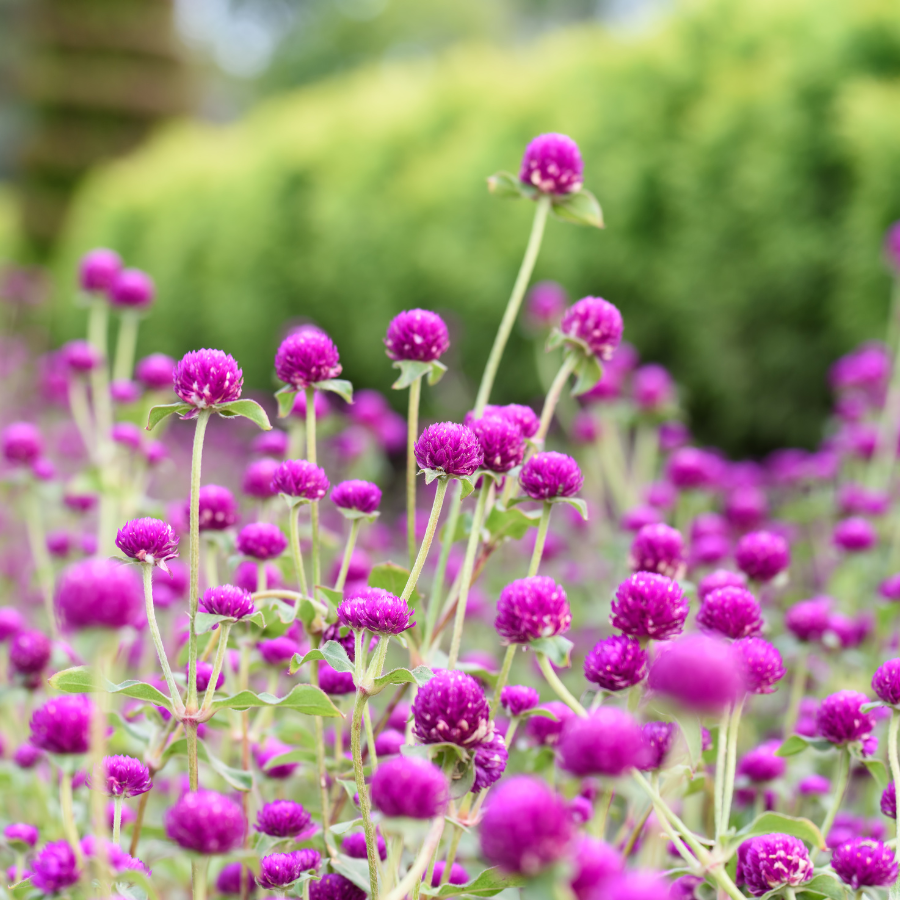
(426, 541)
(570, 361)
(365, 804)
(502, 678)
(117, 817)
(842, 775)
(437, 585)
(81, 414)
(412, 432)
(126, 344)
(314, 506)
(894, 761)
(98, 335)
(721, 756)
(348, 554)
(43, 567)
(414, 876)
(296, 555)
(560, 689)
(798, 686)
(199, 868)
(67, 811)
(177, 705)
(540, 540)
(513, 305)
(734, 724)
(319, 735)
(221, 647)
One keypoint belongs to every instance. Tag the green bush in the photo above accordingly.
(747, 156)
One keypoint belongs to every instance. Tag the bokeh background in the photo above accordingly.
(271, 161)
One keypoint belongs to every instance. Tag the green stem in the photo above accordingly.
(117, 817)
(502, 678)
(561, 690)
(721, 756)
(412, 433)
(217, 668)
(570, 361)
(731, 762)
(81, 414)
(67, 811)
(43, 565)
(348, 553)
(177, 705)
(513, 305)
(296, 555)
(452, 851)
(370, 737)
(798, 687)
(210, 561)
(842, 775)
(413, 877)
(199, 868)
(321, 771)
(190, 735)
(540, 540)
(437, 586)
(126, 344)
(894, 761)
(314, 506)
(364, 801)
(426, 541)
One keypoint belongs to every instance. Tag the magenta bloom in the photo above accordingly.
(417, 334)
(886, 682)
(760, 663)
(449, 449)
(80, 356)
(526, 827)
(890, 588)
(690, 468)
(773, 861)
(657, 548)
(653, 387)
(501, 442)
(518, 698)
(809, 619)
(549, 475)
(301, 478)
(866, 368)
(218, 508)
(761, 764)
(227, 600)
(595, 861)
(11, 622)
(98, 269)
(376, 610)
(862, 862)
(29, 652)
(335, 887)
(411, 787)
(22, 443)
(658, 739)
(451, 707)
(271, 443)
(523, 416)
(204, 674)
(840, 718)
(259, 478)
(99, 593)
(552, 163)
(546, 732)
(892, 245)
(888, 804)
(490, 761)
(746, 507)
(596, 323)
(360, 496)
(21, 833)
(131, 289)
(149, 541)
(55, 868)
(261, 540)
(647, 605)
(545, 303)
(124, 776)
(761, 555)
(335, 683)
(156, 371)
(269, 749)
(637, 517)
(731, 611)
(282, 818)
(532, 608)
(279, 870)
(854, 535)
(205, 378)
(205, 822)
(63, 724)
(608, 742)
(616, 663)
(307, 357)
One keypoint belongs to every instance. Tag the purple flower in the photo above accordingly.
(502, 442)
(771, 862)
(690, 468)
(246, 576)
(149, 541)
(411, 787)
(279, 870)
(261, 540)
(29, 652)
(55, 868)
(268, 750)
(889, 801)
(862, 862)
(282, 818)
(545, 303)
(361, 496)
(761, 555)
(595, 322)
(886, 682)
(532, 608)
(80, 356)
(653, 387)
(814, 784)
(719, 579)
(335, 887)
(271, 443)
(389, 742)
(594, 862)
(854, 535)
(518, 698)
(761, 764)
(259, 478)
(335, 683)
(608, 742)
(544, 731)
(490, 761)
(218, 508)
(229, 880)
(204, 674)
(205, 822)
(131, 289)
(760, 664)
(156, 371)
(549, 475)
(27, 756)
(458, 875)
(22, 443)
(890, 588)
(307, 357)
(227, 600)
(616, 663)
(850, 632)
(301, 478)
(868, 368)
(21, 833)
(808, 620)
(376, 610)
(731, 611)
(657, 548)
(746, 507)
(449, 449)
(127, 434)
(647, 605)
(11, 622)
(552, 163)
(417, 334)
(523, 416)
(205, 378)
(354, 845)
(124, 776)
(278, 651)
(451, 707)
(526, 827)
(98, 269)
(63, 724)
(633, 885)
(840, 718)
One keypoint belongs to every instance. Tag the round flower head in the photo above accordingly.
(451, 707)
(205, 822)
(808, 620)
(760, 664)
(21, 833)
(867, 367)
(99, 593)
(307, 357)
(552, 163)
(718, 579)
(653, 387)
(417, 334)
(863, 862)
(204, 674)
(149, 541)
(501, 442)
(761, 764)
(335, 887)
(761, 555)
(80, 356)
(458, 875)
(888, 803)
(526, 827)
(854, 535)
(411, 787)
(730, 611)
(840, 718)
(218, 508)
(596, 323)
(608, 742)
(27, 756)
(518, 698)
(532, 608)
(29, 652)
(156, 371)
(278, 651)
(523, 416)
(335, 683)
(63, 724)
(259, 478)
(594, 862)
(282, 818)
(376, 610)
(127, 434)
(361, 496)
(124, 776)
(55, 868)
(267, 751)
(389, 742)
(649, 606)
(545, 731)
(227, 600)
(616, 663)
(690, 468)
(549, 475)
(205, 378)
(545, 303)
(657, 548)
(890, 588)
(301, 478)
(449, 449)
(22, 443)
(658, 739)
(634, 885)
(261, 540)
(354, 846)
(773, 861)
(11, 622)
(271, 443)
(279, 870)
(490, 762)
(886, 682)
(98, 269)
(131, 289)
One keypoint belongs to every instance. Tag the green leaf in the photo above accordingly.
(355, 870)
(693, 737)
(300, 755)
(488, 883)
(770, 822)
(824, 886)
(237, 778)
(505, 184)
(302, 698)
(795, 744)
(342, 828)
(391, 577)
(335, 597)
(462, 783)
(204, 622)
(477, 670)
(420, 675)
(878, 770)
(557, 649)
(351, 514)
(410, 370)
(868, 707)
(336, 386)
(249, 409)
(285, 397)
(158, 413)
(467, 485)
(576, 502)
(579, 207)
(81, 680)
(510, 523)
(23, 890)
(138, 731)
(539, 711)
(437, 372)
(587, 373)
(336, 657)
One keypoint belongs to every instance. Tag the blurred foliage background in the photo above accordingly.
(746, 154)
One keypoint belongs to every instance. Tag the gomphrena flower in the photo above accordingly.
(278, 870)
(532, 608)
(595, 322)
(594, 861)
(205, 822)
(376, 610)
(156, 371)
(218, 508)
(890, 588)
(616, 663)
(268, 750)
(22, 443)
(259, 478)
(648, 605)
(863, 862)
(449, 449)
(63, 724)
(773, 861)
(306, 357)
(502, 442)
(544, 304)
(886, 682)
(526, 827)
(227, 600)
(205, 378)
(888, 803)
(417, 334)
(11, 622)
(657, 548)
(451, 707)
(658, 740)
(335, 887)
(552, 163)
(335, 683)
(119, 861)
(854, 535)
(80, 356)
(282, 818)
(458, 875)
(840, 718)
(301, 478)
(761, 555)
(653, 387)
(718, 579)
(519, 698)
(361, 496)
(411, 787)
(635, 885)
(204, 674)
(731, 611)
(29, 652)
(608, 742)
(149, 541)
(131, 289)
(354, 845)
(808, 620)
(98, 269)
(490, 761)
(261, 540)
(55, 867)
(761, 764)
(21, 833)
(690, 468)
(123, 776)
(545, 731)
(760, 664)
(549, 475)
(523, 416)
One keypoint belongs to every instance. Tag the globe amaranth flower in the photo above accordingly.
(761, 764)
(123, 776)
(97, 269)
(269, 749)
(886, 682)
(271, 443)
(596, 323)
(301, 478)
(690, 468)
(11, 622)
(890, 588)
(549, 475)
(523, 416)
(545, 731)
(307, 357)
(502, 442)
(449, 449)
(451, 707)
(259, 478)
(648, 605)
(417, 334)
(389, 742)
(594, 862)
(854, 535)
(27, 756)
(658, 739)
(773, 861)
(616, 663)
(227, 600)
(888, 802)
(552, 163)
(608, 742)
(532, 608)
(205, 822)
(808, 619)
(205, 378)
(730, 611)
(131, 289)
(218, 509)
(526, 826)
(360, 496)
(282, 818)
(637, 517)
(261, 540)
(156, 371)
(119, 861)
(411, 787)
(863, 862)
(490, 761)
(29, 652)
(55, 867)
(127, 434)
(848, 631)
(760, 664)
(149, 541)
(204, 674)
(278, 651)
(80, 356)
(335, 683)
(458, 875)
(21, 833)
(634, 885)
(519, 698)
(545, 303)
(278, 870)
(22, 443)
(229, 879)
(376, 610)
(657, 548)
(335, 887)
(840, 718)
(63, 724)
(718, 579)
(354, 845)
(761, 555)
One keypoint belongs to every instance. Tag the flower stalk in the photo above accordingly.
(412, 432)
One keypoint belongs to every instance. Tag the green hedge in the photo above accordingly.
(747, 156)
